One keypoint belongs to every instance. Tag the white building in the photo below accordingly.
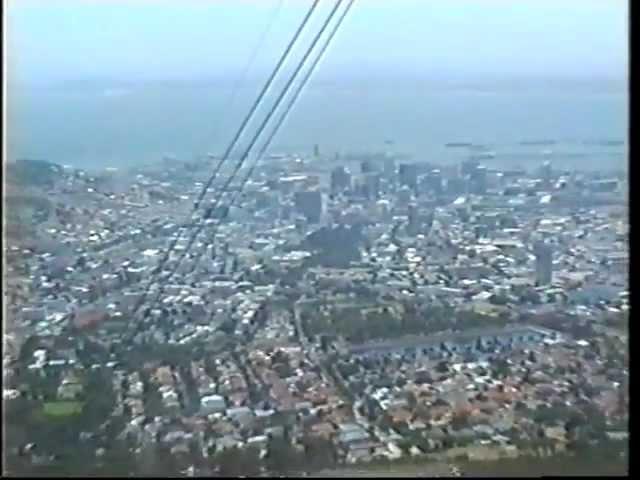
(212, 404)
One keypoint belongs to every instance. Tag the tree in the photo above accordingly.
(280, 356)
(442, 366)
(501, 369)
(412, 401)
(530, 296)
(595, 416)
(520, 406)
(234, 462)
(324, 343)
(578, 444)
(545, 415)
(386, 422)
(459, 420)
(283, 458)
(228, 327)
(422, 377)
(481, 397)
(318, 452)
(371, 408)
(347, 369)
(422, 412)
(596, 349)
(284, 370)
(499, 300)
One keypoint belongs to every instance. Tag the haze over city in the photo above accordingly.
(323, 238)
(136, 39)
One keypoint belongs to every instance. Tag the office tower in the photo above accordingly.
(546, 172)
(316, 150)
(428, 220)
(408, 175)
(413, 224)
(263, 198)
(371, 186)
(389, 168)
(544, 263)
(368, 166)
(468, 167)
(300, 224)
(404, 195)
(309, 204)
(481, 231)
(457, 186)
(419, 219)
(433, 182)
(604, 186)
(384, 209)
(340, 180)
(479, 180)
(286, 211)
(494, 179)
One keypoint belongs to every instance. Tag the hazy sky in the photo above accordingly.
(74, 39)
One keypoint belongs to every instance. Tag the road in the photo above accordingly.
(426, 470)
(315, 357)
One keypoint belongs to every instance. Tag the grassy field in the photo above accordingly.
(559, 465)
(553, 466)
(62, 409)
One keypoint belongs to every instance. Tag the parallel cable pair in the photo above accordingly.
(202, 221)
(227, 152)
(261, 128)
(281, 120)
(225, 188)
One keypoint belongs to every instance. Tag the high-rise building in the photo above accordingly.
(479, 180)
(494, 179)
(389, 167)
(420, 220)
(457, 186)
(264, 198)
(286, 211)
(309, 204)
(468, 167)
(546, 172)
(603, 186)
(300, 224)
(340, 180)
(544, 263)
(413, 224)
(480, 231)
(408, 175)
(404, 195)
(368, 166)
(384, 209)
(433, 182)
(371, 186)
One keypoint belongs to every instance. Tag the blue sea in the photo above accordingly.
(122, 126)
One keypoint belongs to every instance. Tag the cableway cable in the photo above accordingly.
(282, 118)
(235, 139)
(261, 128)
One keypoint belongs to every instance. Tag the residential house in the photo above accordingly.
(70, 388)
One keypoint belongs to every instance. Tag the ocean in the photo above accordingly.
(115, 126)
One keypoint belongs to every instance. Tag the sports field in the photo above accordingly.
(62, 409)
